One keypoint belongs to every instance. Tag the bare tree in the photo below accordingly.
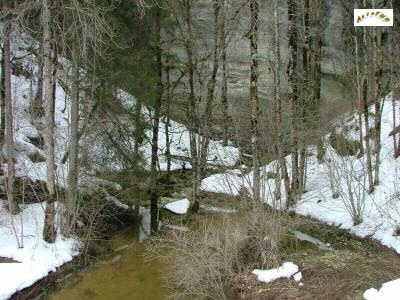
(377, 62)
(49, 232)
(366, 110)
(278, 104)
(293, 96)
(156, 122)
(254, 99)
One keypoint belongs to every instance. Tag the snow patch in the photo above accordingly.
(389, 291)
(37, 258)
(287, 270)
(179, 207)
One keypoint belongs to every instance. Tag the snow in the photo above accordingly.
(380, 210)
(179, 207)
(225, 183)
(37, 258)
(298, 277)
(389, 291)
(287, 270)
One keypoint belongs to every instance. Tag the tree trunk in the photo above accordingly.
(2, 97)
(278, 106)
(377, 67)
(73, 150)
(293, 97)
(254, 99)
(307, 99)
(9, 131)
(48, 95)
(224, 95)
(167, 121)
(359, 92)
(205, 124)
(192, 118)
(366, 112)
(156, 122)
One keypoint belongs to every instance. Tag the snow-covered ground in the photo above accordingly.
(380, 210)
(179, 207)
(287, 270)
(389, 291)
(36, 258)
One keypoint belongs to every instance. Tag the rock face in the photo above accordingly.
(238, 53)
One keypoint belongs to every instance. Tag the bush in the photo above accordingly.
(208, 262)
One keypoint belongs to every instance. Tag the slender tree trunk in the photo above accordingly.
(224, 95)
(359, 93)
(317, 71)
(377, 67)
(73, 150)
(138, 128)
(278, 105)
(293, 96)
(254, 99)
(9, 131)
(156, 123)
(167, 121)
(366, 112)
(49, 232)
(205, 124)
(2, 96)
(192, 120)
(307, 99)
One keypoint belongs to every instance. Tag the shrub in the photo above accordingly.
(208, 262)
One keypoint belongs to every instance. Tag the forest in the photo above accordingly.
(199, 149)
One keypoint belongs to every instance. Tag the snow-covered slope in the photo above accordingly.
(179, 138)
(101, 155)
(35, 258)
(380, 210)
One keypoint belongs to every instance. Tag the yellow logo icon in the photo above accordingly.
(373, 17)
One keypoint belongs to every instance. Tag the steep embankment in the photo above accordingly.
(344, 176)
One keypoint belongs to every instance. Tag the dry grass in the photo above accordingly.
(209, 262)
(345, 273)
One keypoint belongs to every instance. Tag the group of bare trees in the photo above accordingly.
(70, 30)
(192, 63)
(303, 82)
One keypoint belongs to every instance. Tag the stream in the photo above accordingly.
(126, 275)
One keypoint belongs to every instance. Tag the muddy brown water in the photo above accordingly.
(126, 275)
